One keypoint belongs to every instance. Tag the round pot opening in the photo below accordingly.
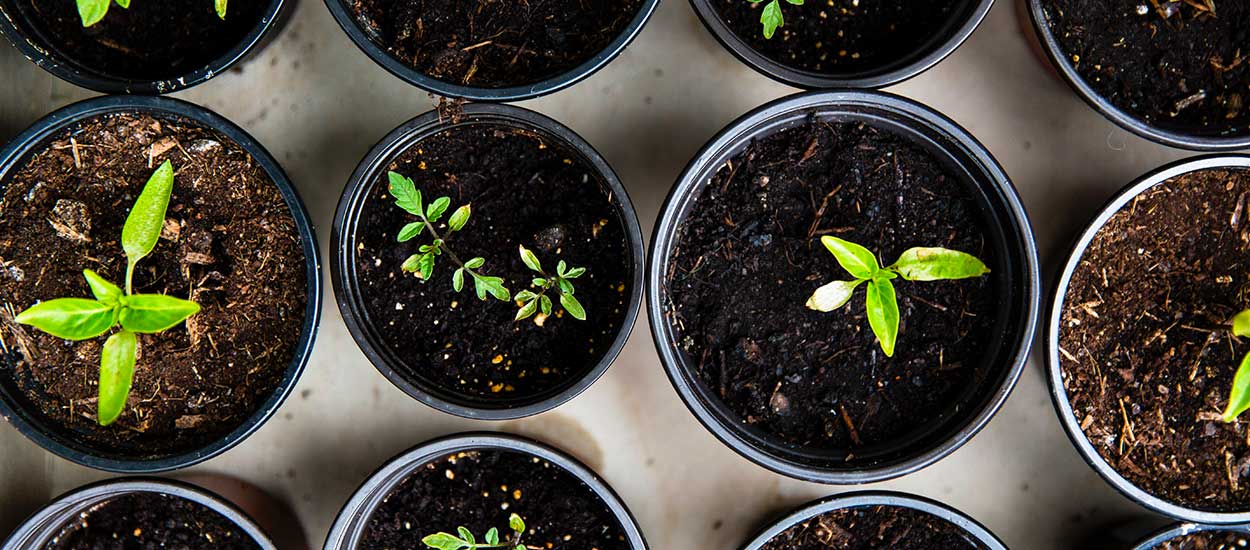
(160, 434)
(52, 521)
(355, 521)
(1231, 536)
(478, 67)
(1098, 80)
(833, 61)
(1013, 287)
(503, 368)
(1150, 366)
(106, 57)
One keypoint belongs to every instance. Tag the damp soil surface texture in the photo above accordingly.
(1146, 353)
(1181, 66)
(493, 43)
(229, 244)
(523, 189)
(152, 40)
(144, 520)
(843, 37)
(748, 256)
(480, 490)
(872, 528)
(1206, 540)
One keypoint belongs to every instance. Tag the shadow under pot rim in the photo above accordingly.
(1136, 124)
(352, 26)
(923, 56)
(352, 522)
(1053, 324)
(1008, 234)
(38, 46)
(50, 520)
(1172, 532)
(865, 499)
(365, 195)
(52, 434)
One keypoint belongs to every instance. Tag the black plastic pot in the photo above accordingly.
(1181, 529)
(957, 30)
(42, 50)
(48, 522)
(349, 526)
(876, 498)
(1054, 371)
(346, 287)
(1018, 290)
(347, 20)
(28, 419)
(1061, 63)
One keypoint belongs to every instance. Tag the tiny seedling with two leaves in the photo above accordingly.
(916, 264)
(92, 11)
(531, 302)
(466, 541)
(771, 17)
(1239, 396)
(84, 319)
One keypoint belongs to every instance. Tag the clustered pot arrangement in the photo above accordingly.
(161, 288)
(496, 491)
(124, 46)
(1173, 72)
(1146, 362)
(490, 265)
(493, 50)
(843, 286)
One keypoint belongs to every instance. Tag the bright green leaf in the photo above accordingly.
(545, 304)
(526, 310)
(938, 264)
(516, 523)
(117, 370)
(221, 8)
(833, 295)
(882, 308)
(152, 313)
(796, 2)
(405, 193)
(92, 11)
(436, 209)
(459, 218)
(540, 282)
(561, 268)
(1239, 397)
(566, 286)
(572, 306)
(575, 273)
(411, 230)
(771, 18)
(146, 219)
(466, 536)
(410, 265)
(531, 261)
(425, 265)
(524, 296)
(855, 259)
(457, 279)
(444, 541)
(492, 537)
(475, 263)
(1241, 324)
(101, 288)
(69, 318)
(123, 3)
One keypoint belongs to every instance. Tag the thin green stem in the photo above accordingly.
(442, 243)
(130, 275)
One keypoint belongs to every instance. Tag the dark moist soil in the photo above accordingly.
(838, 37)
(151, 521)
(1206, 540)
(524, 189)
(873, 528)
(229, 244)
(1146, 354)
(1187, 72)
(153, 39)
(493, 43)
(480, 490)
(749, 255)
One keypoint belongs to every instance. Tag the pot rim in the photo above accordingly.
(939, 49)
(663, 236)
(349, 524)
(343, 242)
(1054, 371)
(347, 21)
(859, 499)
(1135, 125)
(61, 119)
(1181, 529)
(100, 81)
(64, 508)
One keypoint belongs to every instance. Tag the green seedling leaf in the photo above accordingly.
(545, 304)
(516, 523)
(459, 218)
(117, 370)
(457, 279)
(855, 259)
(220, 5)
(938, 264)
(410, 264)
(531, 261)
(492, 537)
(466, 536)
(411, 230)
(143, 225)
(540, 282)
(561, 268)
(123, 3)
(444, 541)
(92, 11)
(1239, 397)
(152, 313)
(435, 210)
(524, 296)
(1241, 324)
(491, 285)
(405, 193)
(104, 291)
(566, 287)
(425, 265)
(833, 295)
(572, 306)
(882, 308)
(527, 310)
(475, 263)
(771, 18)
(575, 273)
(69, 318)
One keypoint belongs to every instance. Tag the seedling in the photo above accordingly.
(531, 302)
(422, 263)
(771, 17)
(916, 264)
(84, 319)
(92, 11)
(1239, 396)
(465, 541)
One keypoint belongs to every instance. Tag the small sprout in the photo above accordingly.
(466, 541)
(916, 264)
(84, 319)
(1239, 396)
(771, 17)
(92, 11)
(532, 302)
(408, 197)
